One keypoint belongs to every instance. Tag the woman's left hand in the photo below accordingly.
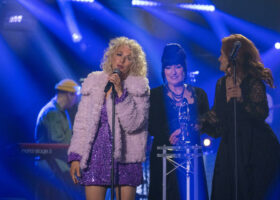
(116, 80)
(173, 139)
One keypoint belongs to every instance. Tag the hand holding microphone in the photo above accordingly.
(114, 80)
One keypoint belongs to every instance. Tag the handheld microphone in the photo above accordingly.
(236, 46)
(109, 84)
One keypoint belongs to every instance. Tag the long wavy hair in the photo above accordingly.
(248, 58)
(139, 64)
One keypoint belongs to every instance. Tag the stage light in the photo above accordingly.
(194, 73)
(206, 142)
(144, 3)
(84, 1)
(15, 19)
(277, 45)
(202, 7)
(76, 37)
(193, 76)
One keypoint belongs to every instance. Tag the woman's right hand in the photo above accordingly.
(116, 80)
(75, 171)
(233, 92)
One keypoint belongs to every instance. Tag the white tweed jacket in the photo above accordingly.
(131, 120)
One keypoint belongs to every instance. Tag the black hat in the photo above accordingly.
(172, 54)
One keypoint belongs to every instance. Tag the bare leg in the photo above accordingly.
(125, 193)
(95, 192)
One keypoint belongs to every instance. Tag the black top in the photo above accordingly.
(163, 121)
(258, 150)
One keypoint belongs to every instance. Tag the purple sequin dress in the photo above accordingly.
(99, 170)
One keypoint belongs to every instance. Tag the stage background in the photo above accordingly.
(64, 39)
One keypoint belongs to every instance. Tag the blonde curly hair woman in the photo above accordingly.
(91, 144)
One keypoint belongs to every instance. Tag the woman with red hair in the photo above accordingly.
(258, 150)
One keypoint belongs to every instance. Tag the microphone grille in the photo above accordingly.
(117, 71)
(237, 43)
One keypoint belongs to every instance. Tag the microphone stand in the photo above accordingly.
(235, 131)
(113, 142)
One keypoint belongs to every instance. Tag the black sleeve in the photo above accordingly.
(255, 101)
(209, 120)
(155, 98)
(203, 104)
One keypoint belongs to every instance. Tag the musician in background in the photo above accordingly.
(54, 126)
(173, 105)
(53, 122)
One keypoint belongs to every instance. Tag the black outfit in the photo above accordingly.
(163, 121)
(258, 151)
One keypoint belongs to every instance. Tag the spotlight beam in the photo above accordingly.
(54, 22)
(250, 29)
(120, 26)
(198, 34)
(17, 81)
(70, 20)
(198, 7)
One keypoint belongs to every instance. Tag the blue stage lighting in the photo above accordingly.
(277, 45)
(76, 37)
(201, 7)
(194, 73)
(193, 76)
(206, 142)
(84, 1)
(144, 3)
(70, 20)
(15, 19)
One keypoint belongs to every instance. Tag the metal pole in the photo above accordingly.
(188, 169)
(164, 173)
(113, 143)
(188, 192)
(235, 135)
(195, 172)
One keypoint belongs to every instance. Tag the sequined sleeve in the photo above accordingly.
(74, 157)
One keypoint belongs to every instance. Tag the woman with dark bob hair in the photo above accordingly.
(91, 145)
(258, 150)
(175, 108)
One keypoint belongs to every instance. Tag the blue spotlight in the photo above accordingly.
(76, 37)
(201, 7)
(15, 19)
(193, 76)
(54, 22)
(277, 45)
(202, 36)
(206, 142)
(144, 3)
(84, 1)
(248, 29)
(121, 26)
(70, 20)
(194, 73)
